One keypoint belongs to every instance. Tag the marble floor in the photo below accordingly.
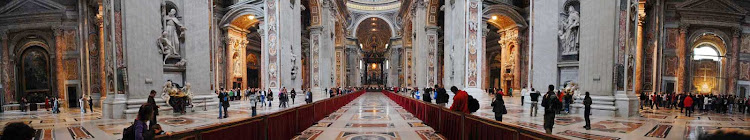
(655, 124)
(372, 116)
(71, 124)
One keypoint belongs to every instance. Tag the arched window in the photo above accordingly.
(705, 52)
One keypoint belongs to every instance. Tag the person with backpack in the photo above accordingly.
(460, 100)
(426, 95)
(534, 102)
(442, 97)
(498, 106)
(139, 130)
(587, 110)
(551, 104)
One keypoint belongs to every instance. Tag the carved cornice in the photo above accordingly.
(684, 27)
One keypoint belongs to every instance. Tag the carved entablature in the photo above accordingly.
(711, 12)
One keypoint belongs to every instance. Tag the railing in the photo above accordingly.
(283, 125)
(459, 126)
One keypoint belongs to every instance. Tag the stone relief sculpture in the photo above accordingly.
(294, 65)
(568, 32)
(172, 32)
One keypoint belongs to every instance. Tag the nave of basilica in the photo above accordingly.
(108, 56)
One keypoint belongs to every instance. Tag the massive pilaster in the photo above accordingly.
(422, 47)
(682, 60)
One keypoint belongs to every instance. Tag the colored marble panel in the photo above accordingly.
(659, 131)
(616, 126)
(78, 132)
(429, 135)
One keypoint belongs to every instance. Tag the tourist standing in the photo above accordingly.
(498, 106)
(55, 105)
(587, 110)
(534, 102)
(91, 104)
(253, 102)
(568, 100)
(269, 95)
(155, 112)
(81, 103)
(46, 103)
(294, 95)
(426, 95)
(550, 102)
(523, 93)
(643, 99)
(442, 96)
(688, 105)
(262, 97)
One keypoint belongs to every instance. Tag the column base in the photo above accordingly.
(107, 109)
(119, 105)
(627, 104)
(601, 106)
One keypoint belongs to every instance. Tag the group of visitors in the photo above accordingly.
(145, 126)
(704, 103)
(54, 104)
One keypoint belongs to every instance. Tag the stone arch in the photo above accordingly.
(505, 10)
(241, 11)
(21, 41)
(721, 45)
(392, 26)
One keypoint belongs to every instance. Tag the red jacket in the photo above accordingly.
(688, 101)
(461, 102)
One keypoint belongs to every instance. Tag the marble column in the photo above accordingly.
(638, 76)
(4, 81)
(734, 63)
(485, 68)
(432, 41)
(315, 75)
(59, 74)
(270, 56)
(473, 32)
(681, 56)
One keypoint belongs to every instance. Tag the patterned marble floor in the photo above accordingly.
(372, 116)
(71, 124)
(649, 125)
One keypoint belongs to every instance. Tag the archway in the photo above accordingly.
(707, 64)
(238, 65)
(502, 42)
(373, 36)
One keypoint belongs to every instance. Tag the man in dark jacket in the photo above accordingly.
(551, 103)
(155, 107)
(442, 96)
(534, 102)
(587, 110)
(498, 106)
(643, 99)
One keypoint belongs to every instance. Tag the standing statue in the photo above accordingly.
(172, 32)
(568, 32)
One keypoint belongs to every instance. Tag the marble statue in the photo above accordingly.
(173, 31)
(568, 32)
(294, 66)
(165, 91)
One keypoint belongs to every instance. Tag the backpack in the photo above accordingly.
(473, 104)
(128, 133)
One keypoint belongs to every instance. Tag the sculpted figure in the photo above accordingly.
(568, 32)
(172, 32)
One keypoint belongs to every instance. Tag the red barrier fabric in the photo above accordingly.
(305, 118)
(478, 130)
(281, 126)
(238, 131)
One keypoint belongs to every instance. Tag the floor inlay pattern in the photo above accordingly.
(586, 135)
(659, 131)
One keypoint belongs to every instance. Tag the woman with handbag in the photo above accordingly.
(498, 106)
